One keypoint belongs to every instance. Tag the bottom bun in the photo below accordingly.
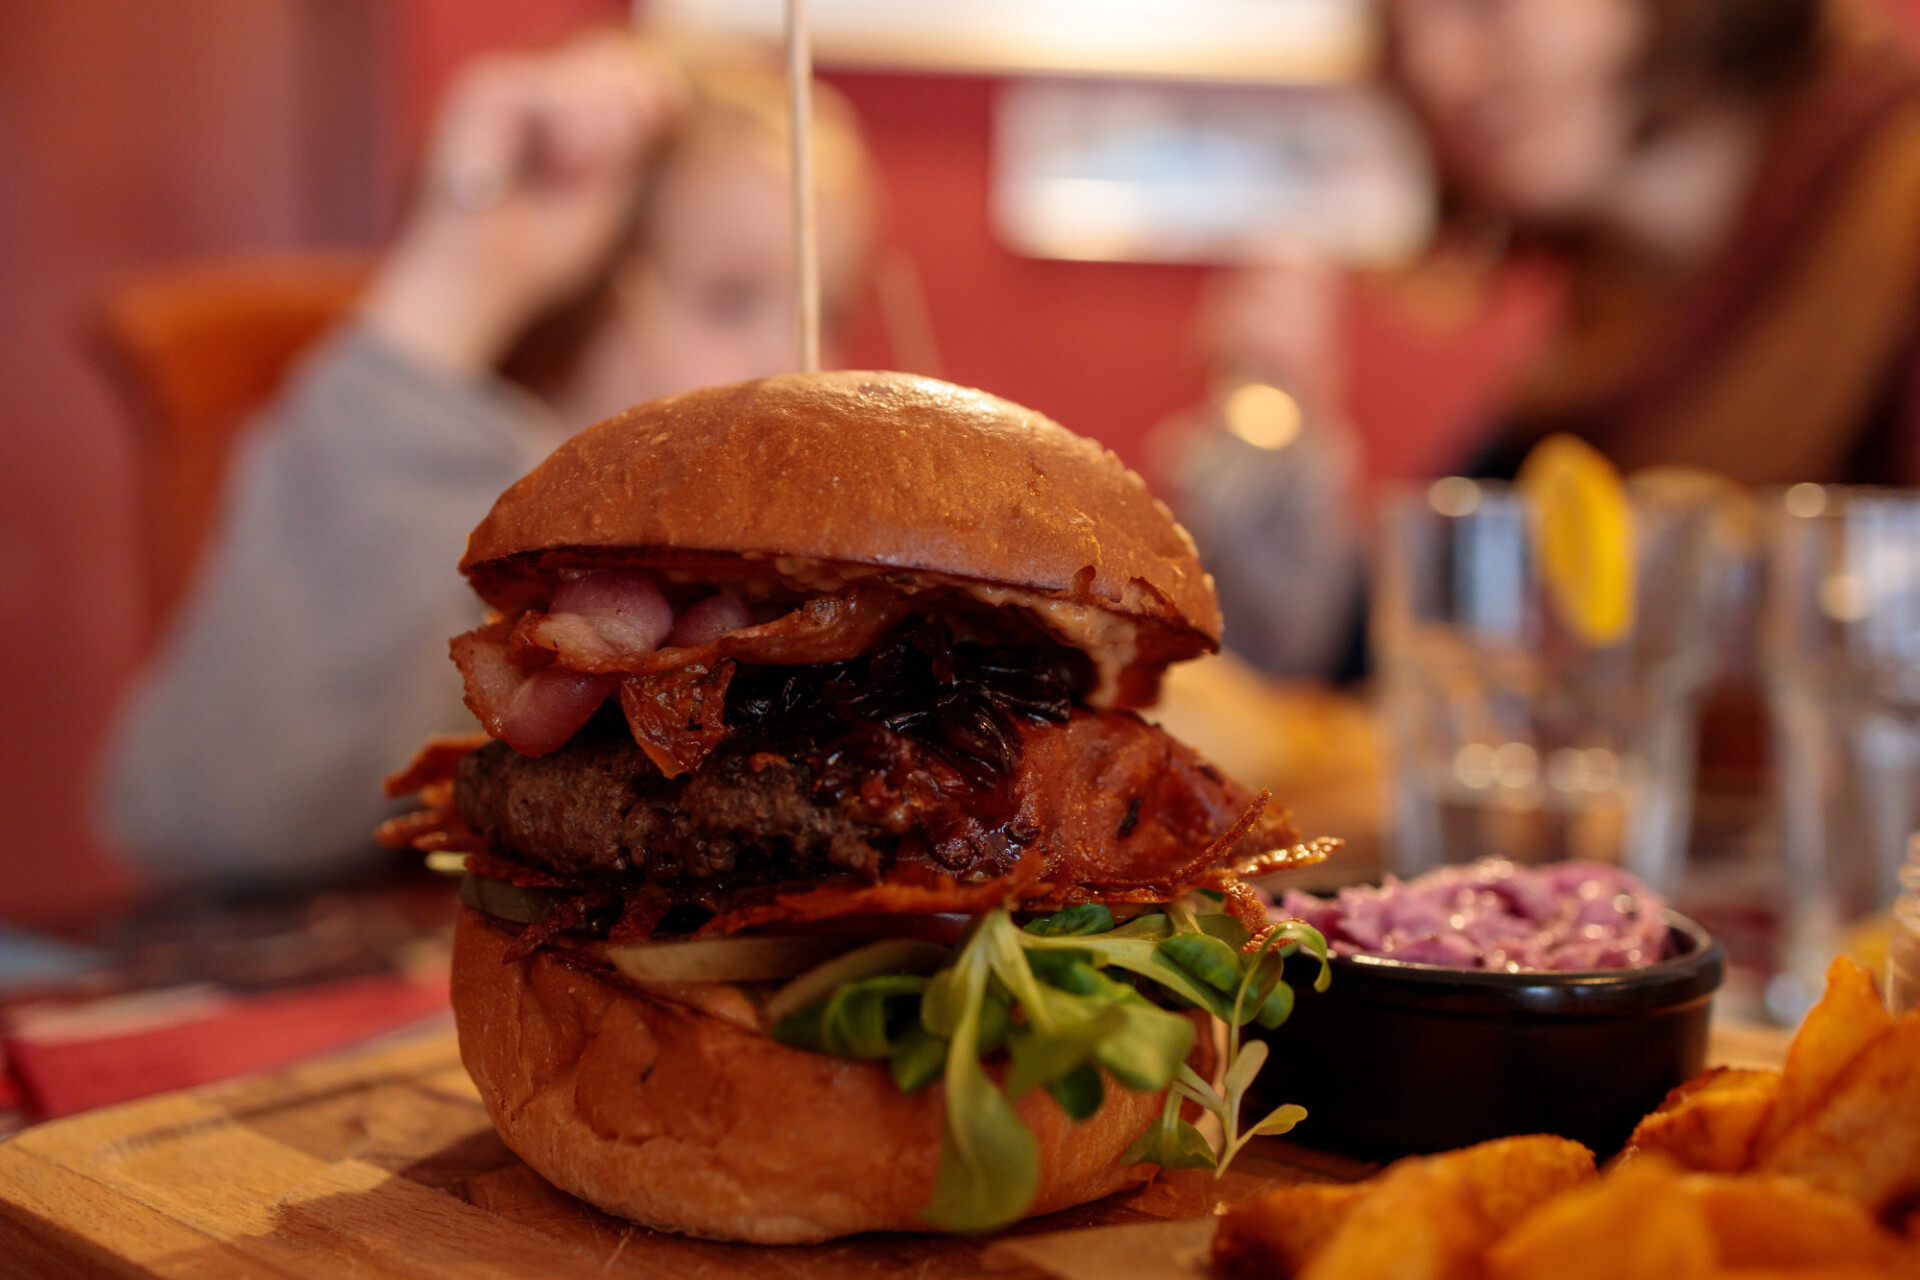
(687, 1122)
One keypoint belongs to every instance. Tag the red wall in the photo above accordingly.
(134, 133)
(1109, 348)
(1104, 348)
(434, 37)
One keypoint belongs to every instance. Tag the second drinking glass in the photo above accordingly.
(1516, 731)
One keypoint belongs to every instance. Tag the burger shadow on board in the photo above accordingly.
(478, 1172)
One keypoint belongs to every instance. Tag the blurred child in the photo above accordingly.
(592, 229)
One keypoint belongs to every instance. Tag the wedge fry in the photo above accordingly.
(1425, 1218)
(1636, 1224)
(1738, 1175)
(1862, 1139)
(1710, 1123)
(1420, 1222)
(1508, 1177)
(1848, 1018)
(1771, 1221)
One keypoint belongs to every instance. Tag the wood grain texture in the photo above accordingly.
(383, 1164)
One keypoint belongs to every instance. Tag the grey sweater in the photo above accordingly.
(311, 656)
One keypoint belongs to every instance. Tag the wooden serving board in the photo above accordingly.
(383, 1164)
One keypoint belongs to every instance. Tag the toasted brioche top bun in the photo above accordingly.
(831, 478)
(684, 1121)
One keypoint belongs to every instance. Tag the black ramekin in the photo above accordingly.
(1396, 1058)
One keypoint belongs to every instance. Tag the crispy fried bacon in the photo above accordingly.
(678, 717)
(1101, 775)
(434, 761)
(1244, 905)
(931, 895)
(707, 620)
(827, 629)
(1290, 857)
(533, 681)
(520, 875)
(564, 916)
(431, 830)
(625, 610)
(641, 909)
(531, 711)
(640, 915)
(1019, 890)
(599, 623)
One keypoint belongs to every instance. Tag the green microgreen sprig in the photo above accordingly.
(1075, 1020)
(1172, 1143)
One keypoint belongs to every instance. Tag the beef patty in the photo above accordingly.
(1103, 798)
(599, 806)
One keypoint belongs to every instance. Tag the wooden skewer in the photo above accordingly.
(806, 244)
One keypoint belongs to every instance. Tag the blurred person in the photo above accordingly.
(1735, 186)
(1733, 189)
(592, 229)
(1263, 476)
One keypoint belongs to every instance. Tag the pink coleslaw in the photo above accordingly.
(1495, 915)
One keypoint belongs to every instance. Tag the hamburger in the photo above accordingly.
(818, 875)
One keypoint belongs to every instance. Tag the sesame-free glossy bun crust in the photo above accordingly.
(865, 472)
(685, 1122)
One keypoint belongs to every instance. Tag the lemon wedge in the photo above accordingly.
(1586, 536)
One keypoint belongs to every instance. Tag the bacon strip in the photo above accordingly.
(1291, 857)
(434, 761)
(922, 895)
(639, 917)
(1100, 808)
(532, 712)
(829, 901)
(429, 831)
(1244, 905)
(608, 614)
(1224, 843)
(678, 717)
(534, 681)
(563, 916)
(520, 875)
(827, 629)
(707, 620)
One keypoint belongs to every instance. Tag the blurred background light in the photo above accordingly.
(1264, 416)
(1454, 496)
(1254, 41)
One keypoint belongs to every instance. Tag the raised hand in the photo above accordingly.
(531, 182)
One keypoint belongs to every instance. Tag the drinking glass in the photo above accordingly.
(1512, 734)
(1842, 660)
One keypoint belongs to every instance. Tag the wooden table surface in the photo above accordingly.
(382, 1163)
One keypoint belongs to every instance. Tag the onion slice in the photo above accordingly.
(889, 955)
(724, 959)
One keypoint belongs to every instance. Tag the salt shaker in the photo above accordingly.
(1903, 951)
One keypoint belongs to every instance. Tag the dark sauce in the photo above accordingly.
(957, 699)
